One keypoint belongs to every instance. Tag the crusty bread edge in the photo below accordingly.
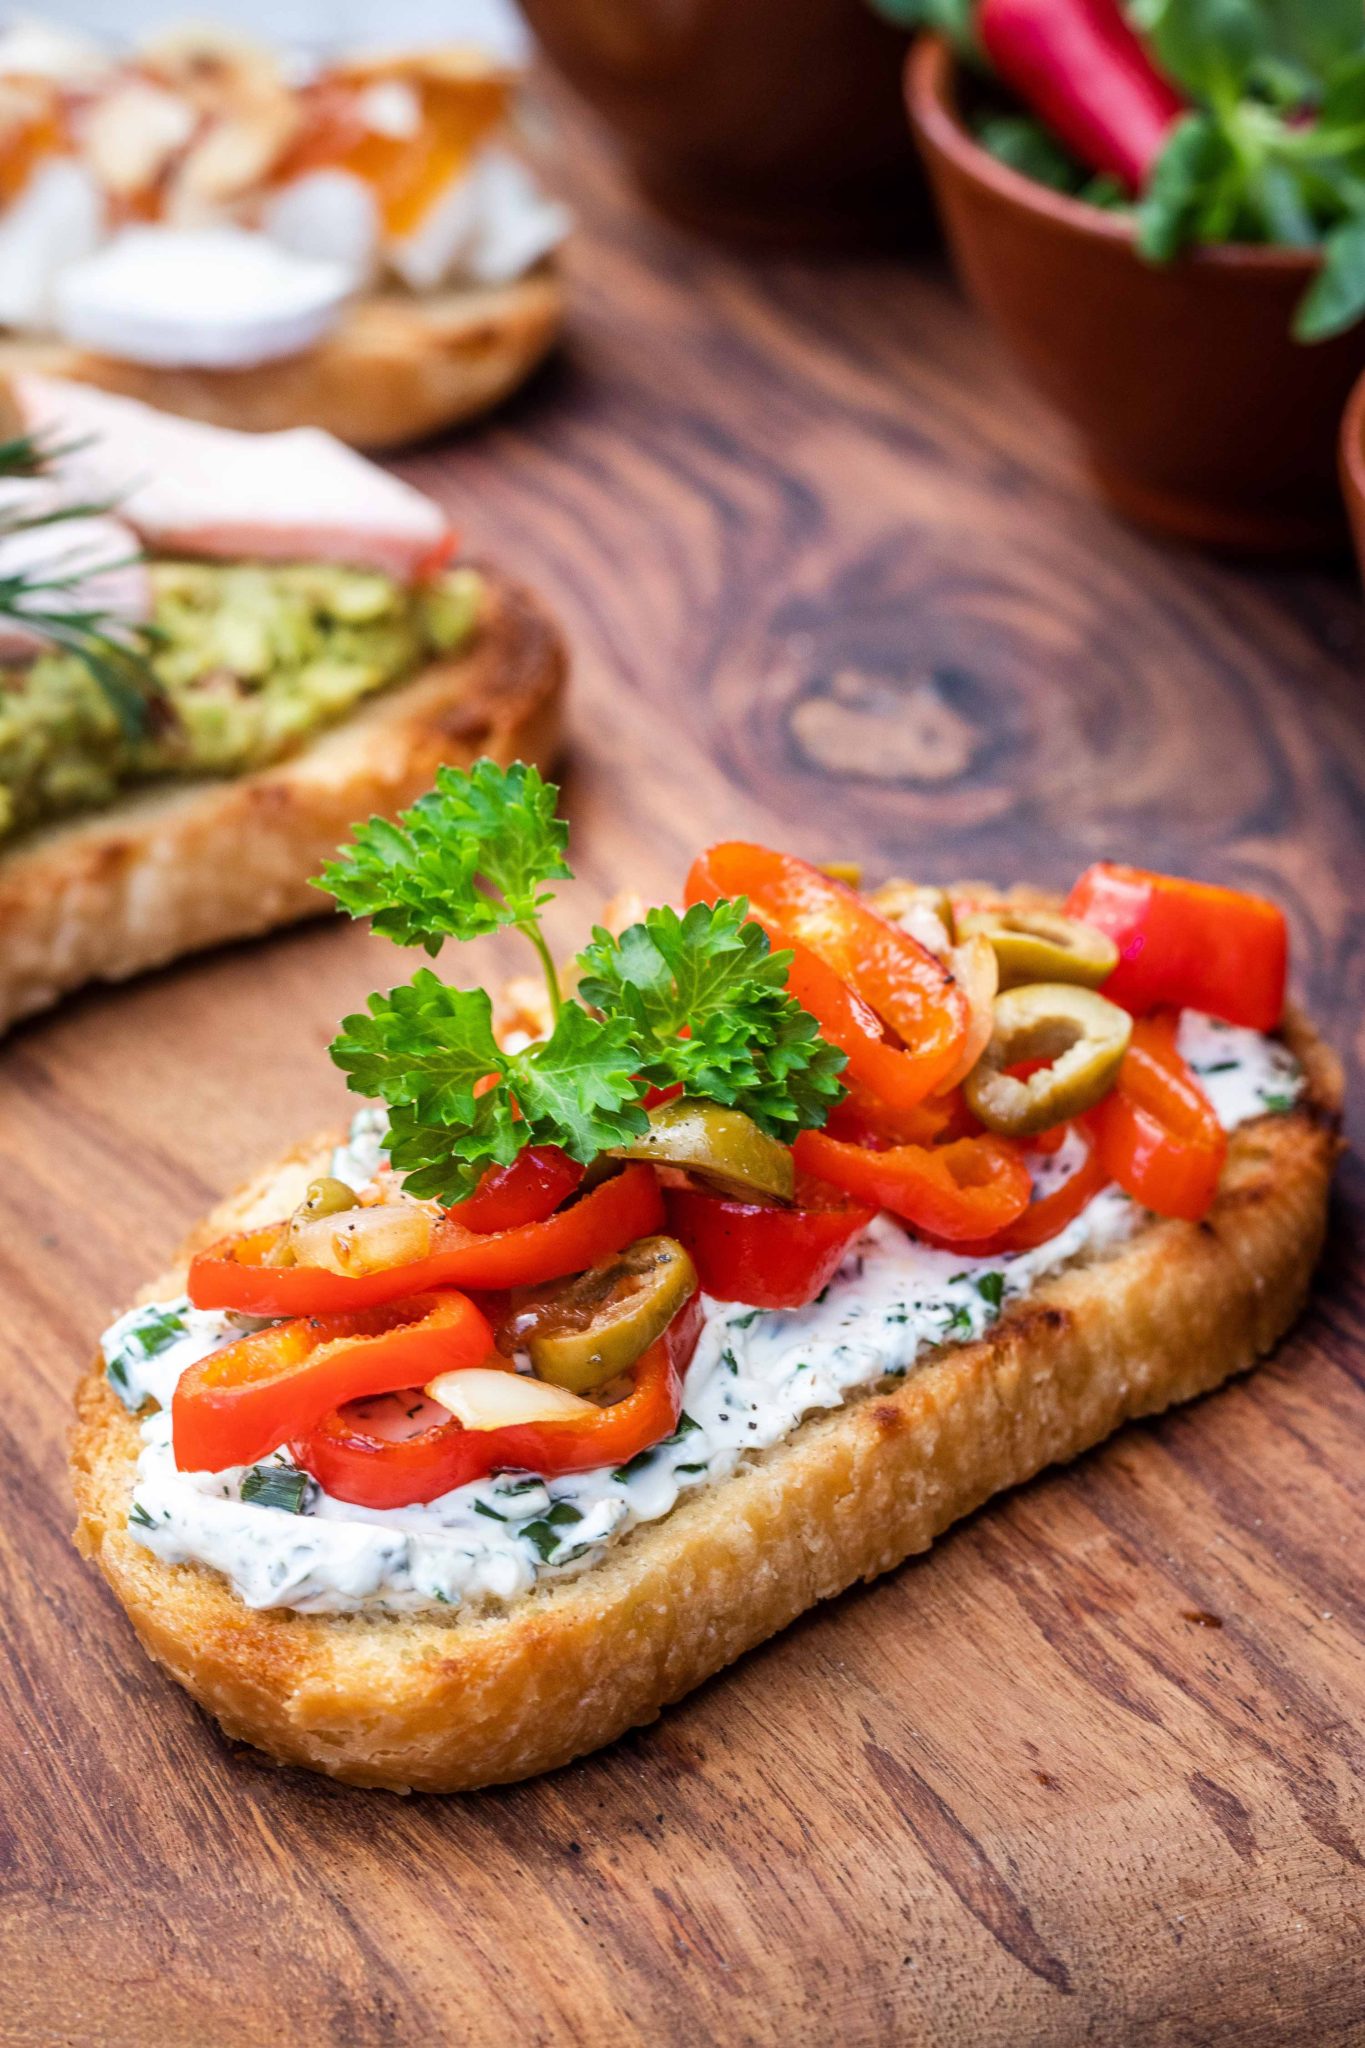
(397, 368)
(194, 864)
(449, 1703)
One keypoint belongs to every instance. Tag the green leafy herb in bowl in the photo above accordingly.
(1219, 121)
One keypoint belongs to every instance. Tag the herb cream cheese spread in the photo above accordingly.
(755, 1375)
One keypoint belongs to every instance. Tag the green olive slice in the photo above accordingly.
(326, 1196)
(1082, 1036)
(723, 1147)
(1042, 945)
(580, 1333)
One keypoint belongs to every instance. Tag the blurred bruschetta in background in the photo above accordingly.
(261, 242)
(219, 649)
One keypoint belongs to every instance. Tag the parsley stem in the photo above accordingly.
(537, 938)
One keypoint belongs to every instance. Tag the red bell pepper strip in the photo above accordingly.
(1079, 66)
(1158, 1135)
(1187, 944)
(1048, 1217)
(969, 1189)
(866, 1119)
(895, 977)
(353, 1462)
(766, 1257)
(882, 1069)
(527, 1191)
(244, 1401)
(233, 1273)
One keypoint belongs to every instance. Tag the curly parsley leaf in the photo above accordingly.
(471, 856)
(459, 1104)
(422, 1045)
(581, 1088)
(749, 1045)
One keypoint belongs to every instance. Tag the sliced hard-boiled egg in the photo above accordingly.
(213, 298)
(56, 220)
(490, 224)
(480, 1397)
(518, 224)
(331, 214)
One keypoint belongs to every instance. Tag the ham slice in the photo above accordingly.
(191, 489)
(101, 557)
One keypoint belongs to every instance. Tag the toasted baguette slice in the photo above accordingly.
(449, 1701)
(189, 864)
(396, 368)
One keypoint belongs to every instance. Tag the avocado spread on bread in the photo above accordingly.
(251, 660)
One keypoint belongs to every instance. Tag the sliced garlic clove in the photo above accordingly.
(480, 1398)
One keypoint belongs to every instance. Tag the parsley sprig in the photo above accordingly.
(428, 1050)
(471, 856)
(697, 998)
(749, 1045)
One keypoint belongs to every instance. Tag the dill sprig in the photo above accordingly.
(44, 599)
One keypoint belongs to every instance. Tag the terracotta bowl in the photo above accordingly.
(1353, 466)
(1198, 412)
(779, 119)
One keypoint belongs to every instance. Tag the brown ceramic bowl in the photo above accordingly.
(1199, 413)
(776, 118)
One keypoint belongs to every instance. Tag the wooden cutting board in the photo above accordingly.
(1090, 1772)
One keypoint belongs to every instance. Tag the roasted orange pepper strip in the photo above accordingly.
(1158, 1135)
(243, 1402)
(883, 968)
(234, 1273)
(355, 1464)
(969, 1189)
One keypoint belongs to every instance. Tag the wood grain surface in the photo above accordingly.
(1090, 1772)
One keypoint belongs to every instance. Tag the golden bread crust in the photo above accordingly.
(192, 864)
(451, 1701)
(397, 367)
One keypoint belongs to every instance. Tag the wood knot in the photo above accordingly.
(886, 730)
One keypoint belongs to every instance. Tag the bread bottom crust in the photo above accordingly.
(447, 1702)
(184, 865)
(396, 368)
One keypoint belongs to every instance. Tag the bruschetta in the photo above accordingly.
(262, 243)
(237, 644)
(772, 1237)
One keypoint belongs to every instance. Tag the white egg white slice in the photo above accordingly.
(212, 299)
(491, 224)
(332, 215)
(57, 220)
